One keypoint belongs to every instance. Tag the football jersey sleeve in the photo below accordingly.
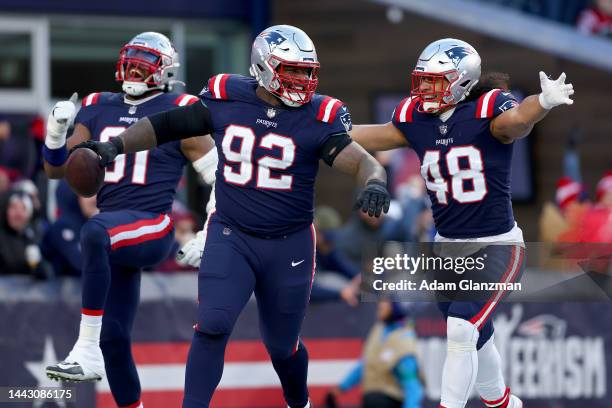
(494, 103)
(88, 111)
(334, 116)
(403, 115)
(229, 87)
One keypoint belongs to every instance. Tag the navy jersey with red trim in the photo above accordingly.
(143, 181)
(268, 155)
(467, 171)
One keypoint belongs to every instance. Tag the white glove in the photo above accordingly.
(555, 93)
(191, 252)
(59, 120)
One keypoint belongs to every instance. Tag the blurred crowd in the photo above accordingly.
(596, 19)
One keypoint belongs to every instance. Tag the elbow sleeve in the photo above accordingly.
(182, 123)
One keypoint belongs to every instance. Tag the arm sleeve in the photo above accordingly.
(182, 123)
(407, 375)
(353, 378)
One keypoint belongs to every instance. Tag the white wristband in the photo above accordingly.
(543, 103)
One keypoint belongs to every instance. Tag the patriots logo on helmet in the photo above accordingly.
(456, 54)
(273, 38)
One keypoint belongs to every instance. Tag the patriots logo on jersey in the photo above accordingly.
(273, 39)
(346, 120)
(509, 104)
(456, 54)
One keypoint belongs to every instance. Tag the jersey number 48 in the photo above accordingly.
(474, 172)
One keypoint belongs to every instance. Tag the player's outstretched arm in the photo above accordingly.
(375, 138)
(176, 124)
(56, 147)
(202, 154)
(354, 160)
(517, 122)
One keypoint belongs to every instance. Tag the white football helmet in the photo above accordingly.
(450, 59)
(149, 61)
(277, 52)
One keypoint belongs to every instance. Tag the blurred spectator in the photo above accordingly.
(5, 129)
(595, 223)
(558, 218)
(18, 150)
(60, 243)
(5, 180)
(597, 19)
(388, 371)
(361, 239)
(19, 252)
(331, 261)
(409, 218)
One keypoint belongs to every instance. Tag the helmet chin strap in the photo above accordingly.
(136, 88)
(287, 100)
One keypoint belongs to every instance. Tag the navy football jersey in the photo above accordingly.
(144, 181)
(467, 171)
(268, 155)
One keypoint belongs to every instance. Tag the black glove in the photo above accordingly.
(106, 150)
(374, 198)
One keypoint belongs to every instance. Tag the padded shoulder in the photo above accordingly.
(229, 87)
(185, 99)
(326, 107)
(404, 111)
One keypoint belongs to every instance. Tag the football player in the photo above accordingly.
(270, 132)
(133, 229)
(464, 141)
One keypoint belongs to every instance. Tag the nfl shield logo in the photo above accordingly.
(132, 110)
(443, 129)
(271, 112)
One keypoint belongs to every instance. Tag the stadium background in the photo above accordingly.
(367, 50)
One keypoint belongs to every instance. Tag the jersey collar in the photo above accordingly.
(140, 101)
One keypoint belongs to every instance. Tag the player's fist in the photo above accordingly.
(555, 93)
(59, 120)
(191, 252)
(374, 198)
(106, 150)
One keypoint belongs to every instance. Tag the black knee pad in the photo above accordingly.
(214, 322)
